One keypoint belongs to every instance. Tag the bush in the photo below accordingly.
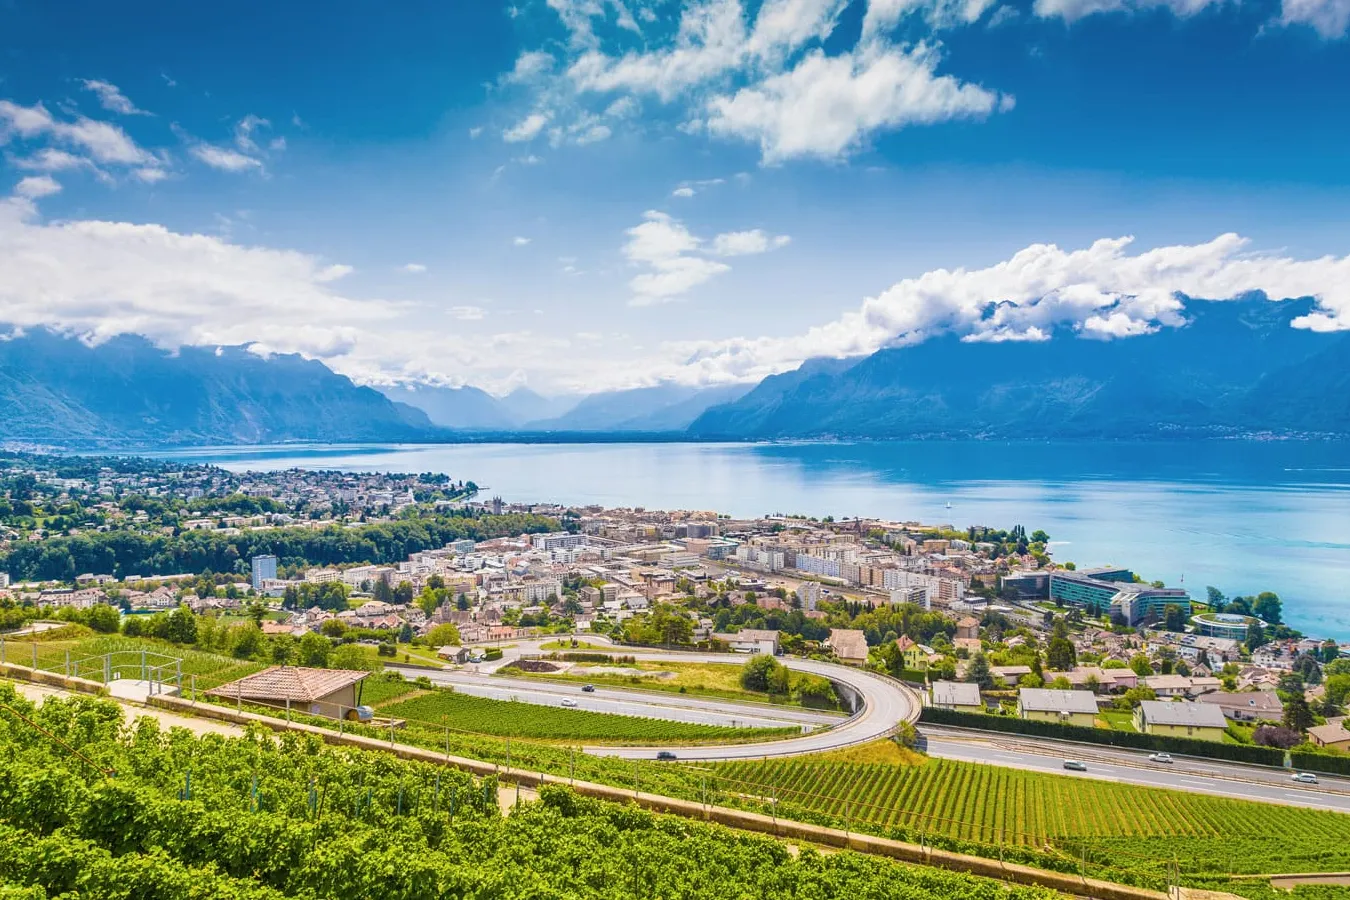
(492, 653)
(390, 650)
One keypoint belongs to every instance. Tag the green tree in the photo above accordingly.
(333, 628)
(1297, 715)
(181, 626)
(1173, 618)
(443, 635)
(1141, 666)
(1268, 607)
(1059, 653)
(1256, 636)
(247, 641)
(978, 672)
(764, 673)
(283, 649)
(314, 650)
(104, 619)
(352, 656)
(403, 592)
(1215, 598)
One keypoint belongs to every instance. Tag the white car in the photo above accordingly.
(1160, 758)
(1304, 777)
(1075, 765)
(568, 701)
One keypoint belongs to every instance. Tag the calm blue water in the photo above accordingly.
(1244, 517)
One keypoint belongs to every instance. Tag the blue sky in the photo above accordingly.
(586, 194)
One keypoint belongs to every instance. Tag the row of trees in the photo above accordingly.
(123, 552)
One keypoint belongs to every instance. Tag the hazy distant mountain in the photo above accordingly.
(667, 407)
(467, 408)
(1236, 368)
(126, 391)
(524, 405)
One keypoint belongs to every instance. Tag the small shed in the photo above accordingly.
(320, 692)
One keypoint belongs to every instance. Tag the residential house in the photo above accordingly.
(1181, 718)
(969, 627)
(1064, 707)
(1181, 685)
(956, 695)
(912, 655)
(1009, 676)
(1247, 706)
(1332, 735)
(750, 640)
(849, 644)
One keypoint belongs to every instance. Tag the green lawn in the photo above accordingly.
(1118, 721)
(528, 720)
(697, 679)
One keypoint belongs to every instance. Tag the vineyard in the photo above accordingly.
(209, 669)
(504, 718)
(92, 809)
(1104, 823)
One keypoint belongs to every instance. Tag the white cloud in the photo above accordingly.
(103, 141)
(690, 188)
(520, 241)
(475, 132)
(765, 77)
(1072, 10)
(112, 99)
(529, 66)
(676, 261)
(53, 160)
(277, 144)
(224, 158)
(827, 106)
(744, 243)
(586, 129)
(414, 268)
(150, 175)
(527, 129)
(1329, 18)
(1099, 291)
(467, 313)
(577, 16)
(243, 132)
(36, 186)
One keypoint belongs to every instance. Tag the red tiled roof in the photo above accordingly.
(294, 683)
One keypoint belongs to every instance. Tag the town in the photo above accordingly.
(422, 567)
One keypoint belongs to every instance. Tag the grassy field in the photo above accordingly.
(527, 720)
(697, 679)
(1117, 720)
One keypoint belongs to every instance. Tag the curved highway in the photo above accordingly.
(883, 703)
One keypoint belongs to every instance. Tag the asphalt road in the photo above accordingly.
(885, 703)
(1133, 767)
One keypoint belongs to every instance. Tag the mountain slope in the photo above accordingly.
(126, 390)
(666, 407)
(467, 407)
(1237, 367)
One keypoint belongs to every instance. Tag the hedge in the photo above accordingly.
(1321, 762)
(1265, 756)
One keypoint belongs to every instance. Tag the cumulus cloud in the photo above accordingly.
(676, 261)
(1329, 18)
(467, 313)
(519, 241)
(682, 191)
(828, 105)
(1072, 10)
(37, 186)
(1101, 291)
(414, 268)
(112, 99)
(767, 78)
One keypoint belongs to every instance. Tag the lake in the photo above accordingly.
(1243, 516)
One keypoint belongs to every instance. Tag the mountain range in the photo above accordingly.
(1237, 368)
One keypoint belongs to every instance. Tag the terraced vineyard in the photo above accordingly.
(209, 669)
(505, 718)
(257, 818)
